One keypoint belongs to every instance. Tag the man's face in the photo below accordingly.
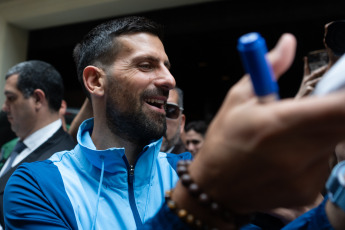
(174, 126)
(138, 85)
(194, 141)
(20, 110)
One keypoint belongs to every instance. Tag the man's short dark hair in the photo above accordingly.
(99, 46)
(199, 126)
(37, 74)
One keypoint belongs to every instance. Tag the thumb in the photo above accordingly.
(282, 55)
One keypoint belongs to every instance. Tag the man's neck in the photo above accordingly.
(103, 139)
(40, 123)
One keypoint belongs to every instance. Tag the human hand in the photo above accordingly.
(310, 79)
(335, 215)
(287, 215)
(263, 156)
(239, 95)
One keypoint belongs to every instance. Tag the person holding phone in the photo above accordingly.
(334, 42)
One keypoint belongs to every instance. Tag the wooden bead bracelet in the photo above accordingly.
(204, 200)
(184, 215)
(195, 191)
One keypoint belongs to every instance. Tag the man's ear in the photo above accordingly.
(183, 122)
(94, 80)
(39, 97)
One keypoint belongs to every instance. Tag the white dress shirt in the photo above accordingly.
(33, 141)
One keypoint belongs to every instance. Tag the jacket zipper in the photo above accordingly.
(131, 197)
(131, 174)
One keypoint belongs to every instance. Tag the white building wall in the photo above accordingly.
(13, 49)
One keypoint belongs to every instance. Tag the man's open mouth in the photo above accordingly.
(156, 103)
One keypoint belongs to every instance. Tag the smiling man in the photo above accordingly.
(125, 73)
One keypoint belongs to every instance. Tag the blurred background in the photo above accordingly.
(200, 39)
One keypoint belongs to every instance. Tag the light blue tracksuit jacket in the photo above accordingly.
(85, 188)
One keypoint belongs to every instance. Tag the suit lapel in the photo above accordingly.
(41, 153)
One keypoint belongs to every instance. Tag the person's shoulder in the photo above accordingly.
(35, 168)
(172, 159)
(30, 176)
(37, 174)
(36, 190)
(62, 157)
(59, 141)
(65, 138)
(181, 156)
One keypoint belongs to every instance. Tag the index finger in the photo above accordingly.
(306, 66)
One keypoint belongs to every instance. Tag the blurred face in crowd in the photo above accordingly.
(21, 111)
(175, 127)
(194, 141)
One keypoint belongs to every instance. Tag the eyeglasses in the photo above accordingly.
(172, 111)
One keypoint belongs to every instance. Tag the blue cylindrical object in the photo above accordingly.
(252, 49)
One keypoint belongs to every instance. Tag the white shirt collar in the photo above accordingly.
(42, 135)
(33, 141)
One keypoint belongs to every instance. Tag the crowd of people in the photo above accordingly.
(131, 159)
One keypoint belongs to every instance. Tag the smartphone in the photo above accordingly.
(252, 49)
(317, 59)
(333, 80)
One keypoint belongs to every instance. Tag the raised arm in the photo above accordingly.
(261, 156)
(84, 113)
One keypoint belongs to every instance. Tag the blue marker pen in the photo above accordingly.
(252, 49)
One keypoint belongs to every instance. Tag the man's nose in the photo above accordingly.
(165, 79)
(190, 146)
(4, 107)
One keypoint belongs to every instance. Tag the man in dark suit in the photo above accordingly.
(34, 92)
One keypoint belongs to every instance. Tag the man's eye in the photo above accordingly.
(10, 98)
(194, 142)
(145, 66)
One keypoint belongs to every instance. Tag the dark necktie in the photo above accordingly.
(18, 148)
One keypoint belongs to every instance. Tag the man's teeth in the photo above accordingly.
(155, 101)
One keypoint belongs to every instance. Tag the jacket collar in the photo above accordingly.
(114, 158)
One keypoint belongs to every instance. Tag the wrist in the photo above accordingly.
(202, 218)
(335, 215)
(194, 201)
(335, 207)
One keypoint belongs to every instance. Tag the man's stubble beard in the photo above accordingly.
(169, 143)
(128, 120)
